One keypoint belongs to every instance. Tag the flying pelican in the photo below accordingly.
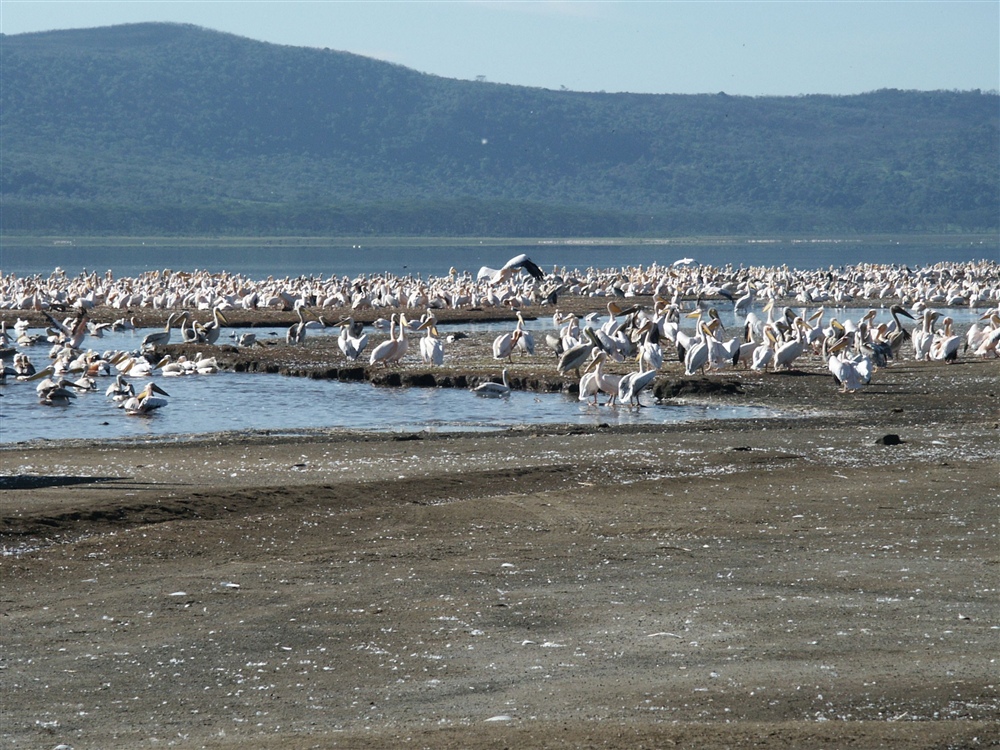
(146, 401)
(510, 268)
(494, 390)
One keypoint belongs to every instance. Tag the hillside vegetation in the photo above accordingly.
(174, 129)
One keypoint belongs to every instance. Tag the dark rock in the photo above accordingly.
(889, 440)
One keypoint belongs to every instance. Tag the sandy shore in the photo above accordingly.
(769, 583)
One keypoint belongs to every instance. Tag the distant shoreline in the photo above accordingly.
(41, 241)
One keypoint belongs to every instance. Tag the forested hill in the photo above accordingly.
(174, 129)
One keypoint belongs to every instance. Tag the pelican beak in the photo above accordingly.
(837, 345)
(905, 313)
(816, 315)
(223, 317)
(162, 362)
(154, 387)
(769, 306)
(44, 373)
(693, 314)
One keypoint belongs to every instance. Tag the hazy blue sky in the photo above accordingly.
(752, 48)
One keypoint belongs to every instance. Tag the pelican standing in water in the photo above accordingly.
(494, 390)
(121, 390)
(161, 338)
(634, 383)
(146, 401)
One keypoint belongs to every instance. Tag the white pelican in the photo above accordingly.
(697, 356)
(605, 381)
(525, 341)
(168, 367)
(494, 390)
(140, 367)
(209, 333)
(56, 394)
(791, 350)
(634, 383)
(944, 347)
(588, 386)
(146, 401)
(852, 373)
(431, 348)
(296, 333)
(922, 338)
(573, 358)
(121, 390)
(511, 267)
(742, 305)
(392, 349)
(503, 345)
(352, 340)
(763, 355)
(161, 338)
(205, 365)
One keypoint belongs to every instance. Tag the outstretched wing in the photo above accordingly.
(523, 261)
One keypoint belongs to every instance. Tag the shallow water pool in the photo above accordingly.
(241, 401)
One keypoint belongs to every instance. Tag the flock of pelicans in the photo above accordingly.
(651, 313)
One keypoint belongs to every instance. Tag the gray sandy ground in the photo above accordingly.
(766, 583)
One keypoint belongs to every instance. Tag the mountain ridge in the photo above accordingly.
(172, 128)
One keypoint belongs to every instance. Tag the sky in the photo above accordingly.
(750, 48)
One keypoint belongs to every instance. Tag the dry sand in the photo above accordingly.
(767, 583)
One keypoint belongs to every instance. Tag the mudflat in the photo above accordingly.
(797, 581)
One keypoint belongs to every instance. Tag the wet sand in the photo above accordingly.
(772, 583)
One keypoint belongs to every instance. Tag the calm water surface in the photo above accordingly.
(281, 260)
(241, 401)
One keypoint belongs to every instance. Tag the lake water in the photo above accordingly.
(283, 259)
(233, 401)
(242, 402)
